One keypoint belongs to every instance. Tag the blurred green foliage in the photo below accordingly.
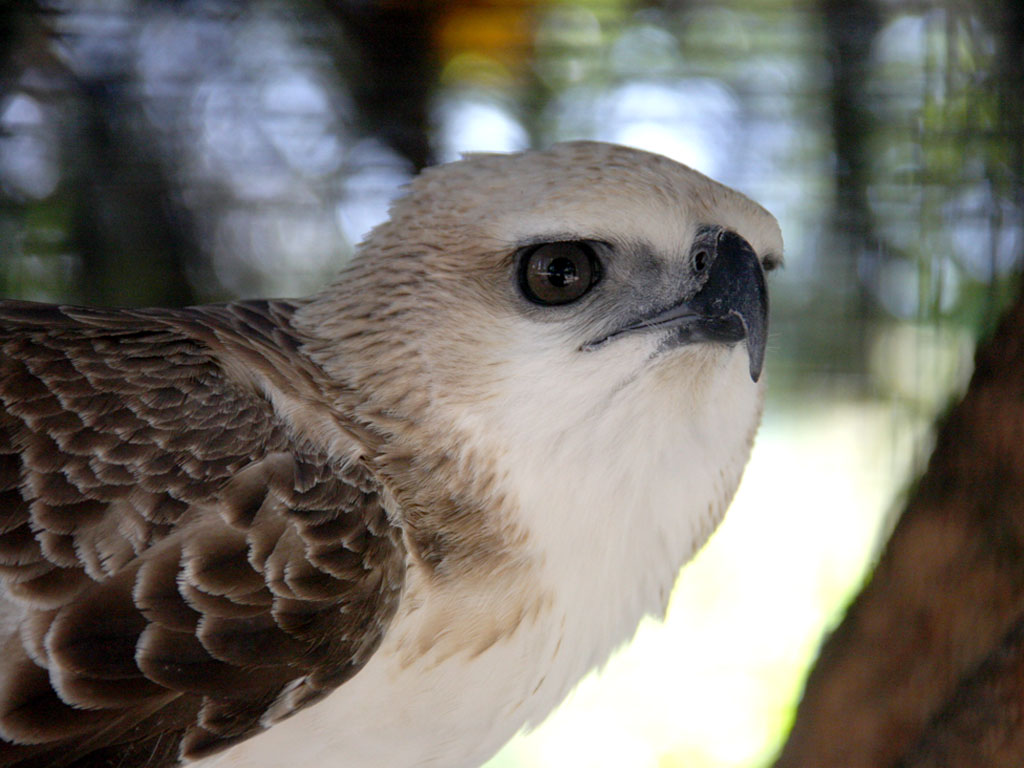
(156, 153)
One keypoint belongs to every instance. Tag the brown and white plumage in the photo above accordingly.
(173, 552)
(422, 500)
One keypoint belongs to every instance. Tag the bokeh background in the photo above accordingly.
(186, 151)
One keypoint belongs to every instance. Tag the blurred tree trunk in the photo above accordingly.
(135, 242)
(850, 28)
(12, 16)
(927, 667)
(392, 70)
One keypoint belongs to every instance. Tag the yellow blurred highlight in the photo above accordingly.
(499, 31)
(478, 70)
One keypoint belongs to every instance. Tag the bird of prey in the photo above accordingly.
(395, 522)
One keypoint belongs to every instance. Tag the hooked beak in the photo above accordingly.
(730, 307)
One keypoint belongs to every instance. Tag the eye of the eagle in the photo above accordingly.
(558, 273)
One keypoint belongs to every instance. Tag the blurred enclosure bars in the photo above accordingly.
(178, 152)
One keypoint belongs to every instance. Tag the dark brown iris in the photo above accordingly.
(558, 273)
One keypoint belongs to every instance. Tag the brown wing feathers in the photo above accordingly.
(177, 561)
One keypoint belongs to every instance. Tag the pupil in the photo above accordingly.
(561, 272)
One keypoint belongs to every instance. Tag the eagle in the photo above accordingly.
(394, 522)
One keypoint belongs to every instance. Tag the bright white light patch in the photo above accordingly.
(472, 125)
(28, 156)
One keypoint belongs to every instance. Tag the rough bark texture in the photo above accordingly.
(927, 668)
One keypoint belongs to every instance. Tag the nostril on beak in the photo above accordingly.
(700, 261)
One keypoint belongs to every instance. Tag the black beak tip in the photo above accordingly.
(748, 296)
(756, 362)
